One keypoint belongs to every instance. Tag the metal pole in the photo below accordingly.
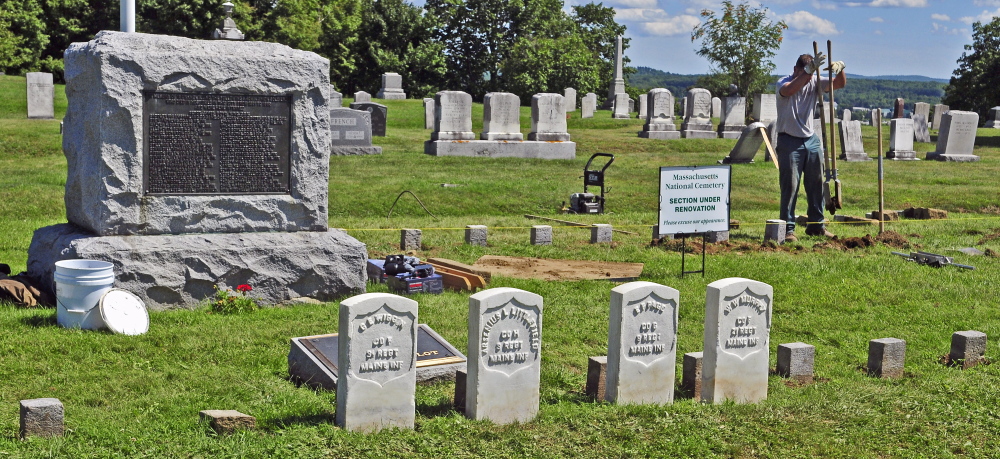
(881, 190)
(128, 16)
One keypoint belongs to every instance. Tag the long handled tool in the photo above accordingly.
(827, 196)
(837, 197)
(877, 121)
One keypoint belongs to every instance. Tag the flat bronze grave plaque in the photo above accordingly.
(209, 144)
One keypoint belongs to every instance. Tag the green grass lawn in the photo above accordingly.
(140, 396)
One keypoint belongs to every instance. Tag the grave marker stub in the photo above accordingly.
(336, 98)
(452, 116)
(362, 96)
(621, 109)
(748, 144)
(41, 93)
(901, 140)
(392, 87)
(852, 148)
(716, 107)
(501, 117)
(642, 344)
(428, 113)
(377, 362)
(957, 137)
(548, 118)
(570, 95)
(378, 113)
(765, 108)
(697, 115)
(505, 332)
(993, 119)
(737, 331)
(659, 116)
(643, 100)
(588, 105)
(939, 111)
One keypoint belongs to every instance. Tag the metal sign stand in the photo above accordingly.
(704, 241)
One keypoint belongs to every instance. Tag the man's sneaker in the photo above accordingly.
(790, 237)
(822, 232)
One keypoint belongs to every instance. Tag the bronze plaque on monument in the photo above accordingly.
(206, 144)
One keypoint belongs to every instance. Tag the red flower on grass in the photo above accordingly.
(244, 288)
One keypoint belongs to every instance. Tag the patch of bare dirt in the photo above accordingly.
(893, 239)
(552, 269)
(989, 237)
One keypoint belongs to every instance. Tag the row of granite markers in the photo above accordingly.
(377, 351)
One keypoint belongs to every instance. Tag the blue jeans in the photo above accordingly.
(800, 157)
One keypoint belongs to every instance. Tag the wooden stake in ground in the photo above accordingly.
(838, 201)
(771, 155)
(827, 196)
(881, 190)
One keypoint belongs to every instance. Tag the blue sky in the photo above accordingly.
(873, 37)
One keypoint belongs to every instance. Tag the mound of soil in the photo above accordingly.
(989, 237)
(550, 269)
(893, 239)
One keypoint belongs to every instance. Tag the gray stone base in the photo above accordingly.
(901, 155)
(729, 134)
(730, 131)
(501, 136)
(168, 271)
(697, 127)
(660, 135)
(502, 149)
(699, 134)
(932, 156)
(355, 151)
(391, 95)
(549, 136)
(621, 116)
(855, 157)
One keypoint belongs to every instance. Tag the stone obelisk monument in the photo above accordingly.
(617, 85)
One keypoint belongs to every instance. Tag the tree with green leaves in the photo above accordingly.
(739, 43)
(598, 29)
(975, 84)
(22, 35)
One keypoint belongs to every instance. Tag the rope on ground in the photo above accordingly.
(414, 197)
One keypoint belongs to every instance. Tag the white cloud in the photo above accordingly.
(807, 23)
(876, 19)
(677, 25)
(878, 32)
(940, 17)
(983, 17)
(823, 5)
(904, 3)
(640, 14)
(635, 3)
(945, 30)
(986, 2)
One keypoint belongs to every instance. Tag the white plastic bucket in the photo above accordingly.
(79, 287)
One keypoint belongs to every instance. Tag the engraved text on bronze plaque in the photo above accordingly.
(216, 143)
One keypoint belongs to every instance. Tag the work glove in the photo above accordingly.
(837, 67)
(815, 64)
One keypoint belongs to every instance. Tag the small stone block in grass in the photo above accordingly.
(410, 239)
(716, 237)
(925, 213)
(228, 421)
(597, 368)
(967, 348)
(795, 361)
(600, 232)
(460, 378)
(541, 235)
(886, 357)
(691, 374)
(41, 417)
(475, 235)
(774, 231)
(887, 216)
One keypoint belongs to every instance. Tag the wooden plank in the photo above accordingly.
(771, 155)
(473, 281)
(567, 222)
(454, 281)
(459, 266)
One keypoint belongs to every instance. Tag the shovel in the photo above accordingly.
(831, 205)
(837, 191)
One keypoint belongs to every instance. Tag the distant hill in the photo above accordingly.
(861, 91)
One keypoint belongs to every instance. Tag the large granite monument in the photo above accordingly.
(659, 116)
(733, 119)
(392, 87)
(697, 115)
(957, 137)
(198, 163)
(617, 85)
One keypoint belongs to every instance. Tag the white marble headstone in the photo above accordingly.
(41, 94)
(901, 134)
(429, 113)
(588, 105)
(501, 117)
(377, 362)
(621, 106)
(737, 331)
(957, 137)
(362, 96)
(716, 107)
(642, 344)
(765, 108)
(939, 111)
(570, 95)
(504, 352)
(452, 116)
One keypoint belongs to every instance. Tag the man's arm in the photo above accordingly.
(795, 85)
(839, 81)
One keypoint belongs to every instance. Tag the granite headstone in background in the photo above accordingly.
(939, 111)
(378, 113)
(621, 110)
(336, 98)
(41, 95)
(643, 100)
(642, 344)
(993, 119)
(697, 115)
(362, 96)
(737, 330)
(899, 108)
(746, 147)
(733, 120)
(852, 148)
(570, 95)
(921, 133)
(392, 87)
(351, 133)
(588, 105)
(429, 113)
(765, 108)
(453, 116)
(501, 117)
(505, 355)
(548, 118)
(660, 116)
(922, 108)
(957, 137)
(377, 377)
(716, 107)
(901, 140)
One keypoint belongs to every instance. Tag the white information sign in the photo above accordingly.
(694, 199)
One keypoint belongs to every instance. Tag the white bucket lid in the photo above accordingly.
(124, 313)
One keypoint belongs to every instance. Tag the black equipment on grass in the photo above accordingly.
(586, 202)
(931, 259)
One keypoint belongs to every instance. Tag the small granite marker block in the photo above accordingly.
(967, 348)
(377, 362)
(737, 334)
(228, 421)
(597, 370)
(541, 235)
(691, 376)
(41, 417)
(505, 355)
(774, 230)
(886, 357)
(409, 239)
(600, 232)
(795, 360)
(642, 344)
(475, 235)
(716, 237)
(461, 376)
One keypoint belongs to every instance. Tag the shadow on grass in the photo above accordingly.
(443, 407)
(304, 420)
(39, 321)
(988, 142)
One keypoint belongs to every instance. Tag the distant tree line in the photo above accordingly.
(478, 46)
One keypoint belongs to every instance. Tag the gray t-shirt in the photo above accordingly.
(796, 112)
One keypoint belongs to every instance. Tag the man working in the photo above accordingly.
(799, 150)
